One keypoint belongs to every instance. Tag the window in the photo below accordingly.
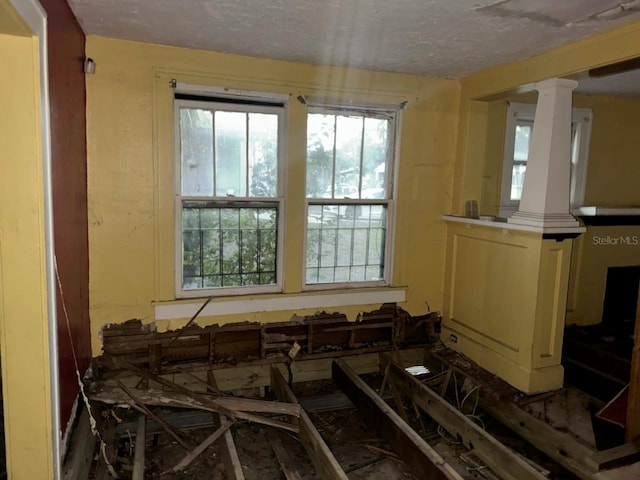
(516, 153)
(349, 196)
(228, 195)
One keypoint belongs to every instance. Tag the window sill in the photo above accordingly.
(279, 302)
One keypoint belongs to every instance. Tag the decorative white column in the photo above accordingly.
(545, 194)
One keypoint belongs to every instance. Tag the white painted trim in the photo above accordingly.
(582, 117)
(501, 224)
(301, 301)
(33, 13)
(210, 91)
(282, 113)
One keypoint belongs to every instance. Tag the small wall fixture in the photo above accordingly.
(89, 66)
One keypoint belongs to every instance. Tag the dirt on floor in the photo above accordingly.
(361, 453)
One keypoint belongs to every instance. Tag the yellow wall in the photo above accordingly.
(504, 302)
(612, 173)
(505, 80)
(130, 155)
(23, 312)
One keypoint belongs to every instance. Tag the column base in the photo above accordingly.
(548, 220)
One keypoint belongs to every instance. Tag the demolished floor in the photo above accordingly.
(323, 398)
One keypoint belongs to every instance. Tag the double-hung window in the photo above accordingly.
(349, 185)
(229, 200)
(518, 133)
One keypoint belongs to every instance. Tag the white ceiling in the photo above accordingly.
(442, 38)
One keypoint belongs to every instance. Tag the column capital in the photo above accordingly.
(556, 83)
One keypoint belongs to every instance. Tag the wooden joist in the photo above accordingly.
(287, 465)
(423, 460)
(493, 453)
(83, 442)
(561, 447)
(138, 457)
(319, 453)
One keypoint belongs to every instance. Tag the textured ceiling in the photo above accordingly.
(442, 38)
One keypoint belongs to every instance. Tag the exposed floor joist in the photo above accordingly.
(423, 460)
(319, 453)
(499, 458)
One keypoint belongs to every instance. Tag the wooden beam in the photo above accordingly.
(207, 442)
(258, 374)
(232, 465)
(287, 466)
(181, 400)
(138, 457)
(423, 460)
(493, 453)
(561, 447)
(83, 443)
(632, 431)
(319, 453)
(615, 457)
(142, 408)
(615, 68)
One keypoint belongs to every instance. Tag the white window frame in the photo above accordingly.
(210, 103)
(390, 183)
(581, 121)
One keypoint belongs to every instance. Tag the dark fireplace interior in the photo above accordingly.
(597, 358)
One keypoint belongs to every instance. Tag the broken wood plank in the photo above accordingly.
(235, 404)
(138, 458)
(319, 453)
(615, 457)
(178, 400)
(493, 453)
(191, 456)
(170, 429)
(230, 459)
(287, 465)
(423, 460)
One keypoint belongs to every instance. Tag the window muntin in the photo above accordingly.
(348, 189)
(228, 200)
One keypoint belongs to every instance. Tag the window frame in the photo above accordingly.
(250, 103)
(391, 166)
(581, 120)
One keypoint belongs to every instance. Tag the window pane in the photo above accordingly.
(225, 247)
(521, 146)
(320, 149)
(348, 157)
(196, 152)
(374, 157)
(517, 180)
(351, 250)
(263, 155)
(231, 153)
(349, 132)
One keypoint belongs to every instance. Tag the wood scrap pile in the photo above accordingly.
(155, 391)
